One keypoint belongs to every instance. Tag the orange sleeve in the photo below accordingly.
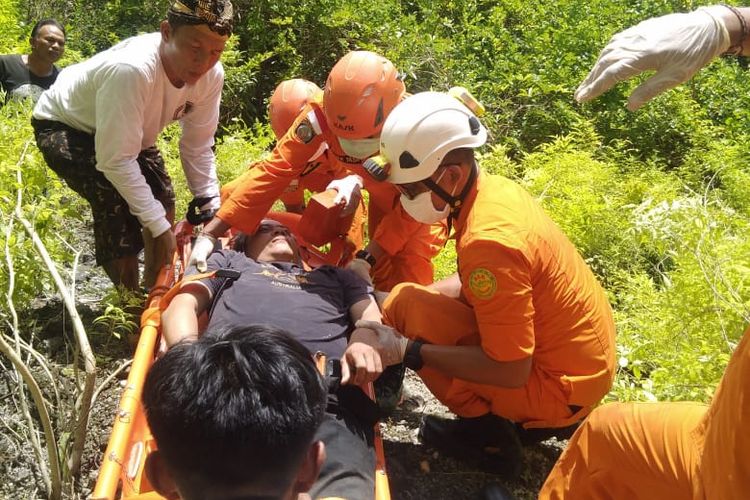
(228, 188)
(293, 195)
(496, 281)
(263, 184)
(395, 229)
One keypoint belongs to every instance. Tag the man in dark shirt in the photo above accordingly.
(29, 75)
(319, 307)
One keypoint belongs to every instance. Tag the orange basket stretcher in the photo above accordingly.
(122, 472)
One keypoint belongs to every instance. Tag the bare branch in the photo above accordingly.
(109, 379)
(39, 358)
(53, 479)
(51, 476)
(82, 341)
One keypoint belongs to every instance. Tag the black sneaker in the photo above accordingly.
(489, 442)
(389, 388)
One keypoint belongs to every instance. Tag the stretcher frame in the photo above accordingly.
(122, 473)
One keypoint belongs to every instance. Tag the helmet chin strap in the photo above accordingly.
(455, 202)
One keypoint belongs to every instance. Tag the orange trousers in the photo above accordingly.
(663, 450)
(427, 315)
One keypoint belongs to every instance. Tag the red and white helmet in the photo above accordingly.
(287, 101)
(361, 90)
(424, 128)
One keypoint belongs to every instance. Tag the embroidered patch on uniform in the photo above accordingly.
(304, 131)
(482, 283)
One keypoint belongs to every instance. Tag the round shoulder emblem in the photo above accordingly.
(482, 283)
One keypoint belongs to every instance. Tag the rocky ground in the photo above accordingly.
(415, 471)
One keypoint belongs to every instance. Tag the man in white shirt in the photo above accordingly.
(97, 127)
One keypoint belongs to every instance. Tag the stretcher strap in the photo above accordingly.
(167, 298)
(228, 274)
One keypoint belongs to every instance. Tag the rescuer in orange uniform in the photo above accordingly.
(663, 450)
(521, 341)
(360, 91)
(286, 103)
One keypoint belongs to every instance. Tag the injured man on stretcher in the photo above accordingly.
(263, 281)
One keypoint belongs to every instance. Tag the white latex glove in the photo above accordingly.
(676, 46)
(202, 248)
(392, 344)
(348, 190)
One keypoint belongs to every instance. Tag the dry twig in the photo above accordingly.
(109, 379)
(51, 476)
(83, 405)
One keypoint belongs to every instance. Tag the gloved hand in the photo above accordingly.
(676, 46)
(349, 192)
(201, 210)
(202, 248)
(392, 344)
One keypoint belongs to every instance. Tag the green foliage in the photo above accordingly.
(445, 262)
(122, 309)
(45, 202)
(237, 148)
(10, 27)
(656, 201)
(95, 25)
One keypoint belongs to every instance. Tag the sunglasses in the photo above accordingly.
(413, 189)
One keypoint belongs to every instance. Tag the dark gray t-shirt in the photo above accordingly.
(313, 306)
(19, 82)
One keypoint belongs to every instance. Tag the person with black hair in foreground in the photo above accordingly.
(219, 434)
(28, 75)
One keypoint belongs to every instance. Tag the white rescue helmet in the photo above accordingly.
(421, 130)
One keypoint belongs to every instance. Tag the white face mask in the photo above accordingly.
(360, 148)
(422, 209)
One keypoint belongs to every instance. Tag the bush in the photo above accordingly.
(656, 200)
(45, 202)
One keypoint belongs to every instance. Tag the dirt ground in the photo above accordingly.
(414, 470)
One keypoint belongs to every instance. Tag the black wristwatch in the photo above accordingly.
(413, 355)
(366, 256)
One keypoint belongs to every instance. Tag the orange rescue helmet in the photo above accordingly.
(287, 101)
(361, 90)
